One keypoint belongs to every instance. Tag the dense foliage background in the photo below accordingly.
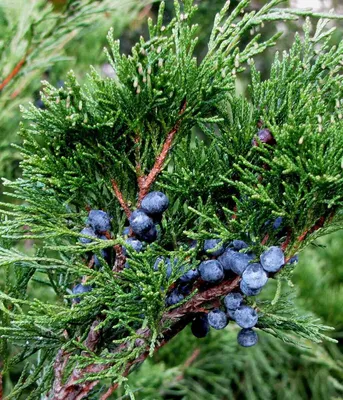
(214, 368)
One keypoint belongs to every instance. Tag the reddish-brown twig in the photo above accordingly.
(181, 317)
(146, 182)
(15, 71)
(71, 390)
(265, 239)
(176, 320)
(110, 391)
(120, 198)
(120, 258)
(319, 224)
(287, 241)
(190, 360)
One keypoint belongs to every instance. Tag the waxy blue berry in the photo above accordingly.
(99, 220)
(89, 232)
(230, 314)
(255, 276)
(240, 261)
(140, 222)
(247, 337)
(225, 259)
(217, 319)
(277, 223)
(294, 259)
(167, 263)
(174, 298)
(200, 326)
(214, 247)
(155, 203)
(190, 276)
(136, 245)
(239, 245)
(272, 259)
(79, 289)
(211, 271)
(149, 236)
(247, 290)
(246, 317)
(233, 300)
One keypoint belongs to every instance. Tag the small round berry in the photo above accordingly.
(89, 232)
(193, 244)
(255, 276)
(240, 261)
(136, 245)
(214, 247)
(233, 300)
(217, 319)
(277, 223)
(79, 289)
(230, 314)
(166, 262)
(185, 289)
(99, 220)
(155, 203)
(126, 231)
(239, 245)
(140, 222)
(97, 261)
(40, 104)
(149, 236)
(247, 337)
(294, 260)
(211, 271)
(264, 136)
(200, 326)
(174, 298)
(246, 317)
(226, 258)
(189, 276)
(247, 290)
(272, 259)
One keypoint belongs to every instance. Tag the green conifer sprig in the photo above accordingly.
(32, 39)
(105, 145)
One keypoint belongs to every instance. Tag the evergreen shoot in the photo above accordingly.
(161, 198)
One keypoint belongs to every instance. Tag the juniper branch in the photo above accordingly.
(146, 182)
(173, 321)
(116, 129)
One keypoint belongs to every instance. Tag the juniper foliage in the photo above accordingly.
(191, 369)
(33, 38)
(103, 145)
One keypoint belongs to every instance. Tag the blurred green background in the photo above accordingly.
(213, 368)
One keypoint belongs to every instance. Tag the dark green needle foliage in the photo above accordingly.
(97, 146)
(34, 37)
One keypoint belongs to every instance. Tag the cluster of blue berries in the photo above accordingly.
(143, 220)
(246, 317)
(99, 222)
(229, 260)
(221, 261)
